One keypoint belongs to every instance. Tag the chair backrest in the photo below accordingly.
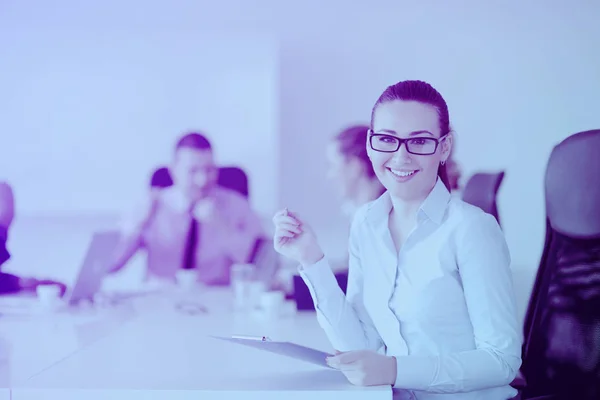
(161, 178)
(573, 186)
(232, 177)
(561, 350)
(482, 190)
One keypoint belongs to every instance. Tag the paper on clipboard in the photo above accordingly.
(287, 349)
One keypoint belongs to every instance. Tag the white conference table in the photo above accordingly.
(162, 353)
(32, 340)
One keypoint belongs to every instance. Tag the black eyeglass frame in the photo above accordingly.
(402, 141)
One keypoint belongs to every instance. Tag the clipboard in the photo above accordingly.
(286, 349)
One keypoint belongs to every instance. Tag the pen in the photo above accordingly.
(257, 338)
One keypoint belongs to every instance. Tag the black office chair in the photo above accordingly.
(561, 350)
(161, 178)
(233, 178)
(482, 190)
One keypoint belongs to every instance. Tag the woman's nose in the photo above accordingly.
(402, 153)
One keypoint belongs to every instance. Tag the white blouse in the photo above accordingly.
(444, 305)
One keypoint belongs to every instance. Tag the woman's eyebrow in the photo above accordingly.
(413, 133)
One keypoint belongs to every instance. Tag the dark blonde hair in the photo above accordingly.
(352, 142)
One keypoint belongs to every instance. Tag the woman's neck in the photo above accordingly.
(404, 211)
(402, 220)
(369, 190)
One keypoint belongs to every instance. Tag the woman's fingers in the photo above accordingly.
(285, 219)
(287, 227)
(281, 213)
(285, 215)
(282, 232)
(290, 227)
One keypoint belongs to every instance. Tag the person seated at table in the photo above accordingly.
(430, 306)
(350, 169)
(454, 173)
(193, 223)
(10, 283)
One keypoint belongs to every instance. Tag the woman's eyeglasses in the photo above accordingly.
(422, 146)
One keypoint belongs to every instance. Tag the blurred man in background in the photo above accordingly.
(192, 224)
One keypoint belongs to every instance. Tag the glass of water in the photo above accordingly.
(242, 278)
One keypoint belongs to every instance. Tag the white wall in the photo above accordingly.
(87, 112)
(517, 78)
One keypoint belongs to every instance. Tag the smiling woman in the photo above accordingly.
(415, 115)
(429, 306)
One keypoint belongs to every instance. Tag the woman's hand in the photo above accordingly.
(295, 239)
(365, 367)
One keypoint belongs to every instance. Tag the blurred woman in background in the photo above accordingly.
(351, 169)
(453, 171)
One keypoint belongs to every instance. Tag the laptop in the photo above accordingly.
(95, 265)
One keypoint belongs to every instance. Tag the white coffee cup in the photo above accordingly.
(48, 296)
(187, 278)
(272, 302)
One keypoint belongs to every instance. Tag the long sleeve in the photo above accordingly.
(132, 228)
(484, 266)
(343, 318)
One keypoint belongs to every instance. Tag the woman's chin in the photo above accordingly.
(407, 191)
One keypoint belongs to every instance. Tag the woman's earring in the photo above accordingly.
(443, 162)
